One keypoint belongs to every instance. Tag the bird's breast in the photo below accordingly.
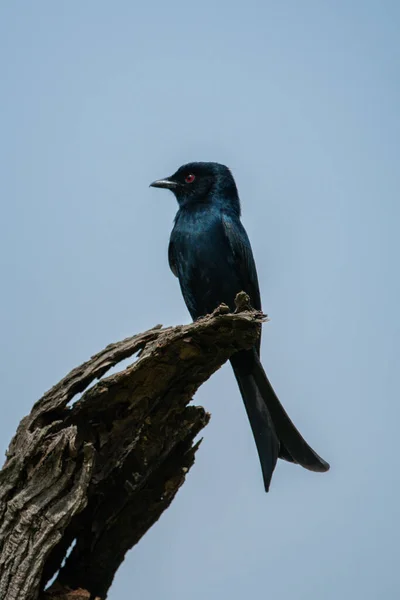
(204, 263)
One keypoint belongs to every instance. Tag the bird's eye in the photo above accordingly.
(190, 178)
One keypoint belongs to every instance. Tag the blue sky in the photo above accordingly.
(301, 101)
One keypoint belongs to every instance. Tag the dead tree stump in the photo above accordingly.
(100, 470)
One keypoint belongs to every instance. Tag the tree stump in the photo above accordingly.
(98, 471)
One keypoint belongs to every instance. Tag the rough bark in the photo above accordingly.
(101, 470)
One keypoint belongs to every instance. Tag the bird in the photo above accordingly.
(210, 253)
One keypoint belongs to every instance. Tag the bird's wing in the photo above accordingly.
(243, 258)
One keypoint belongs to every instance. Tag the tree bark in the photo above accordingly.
(100, 470)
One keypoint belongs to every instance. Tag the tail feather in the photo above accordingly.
(274, 433)
(261, 423)
(288, 434)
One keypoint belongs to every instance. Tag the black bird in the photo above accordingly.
(210, 253)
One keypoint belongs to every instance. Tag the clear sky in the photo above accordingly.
(301, 101)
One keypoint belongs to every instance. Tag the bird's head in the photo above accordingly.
(200, 182)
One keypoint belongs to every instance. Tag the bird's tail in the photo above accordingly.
(274, 433)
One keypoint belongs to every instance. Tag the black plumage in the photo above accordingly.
(210, 253)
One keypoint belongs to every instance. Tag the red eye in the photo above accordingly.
(190, 178)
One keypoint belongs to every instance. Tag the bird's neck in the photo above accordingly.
(213, 202)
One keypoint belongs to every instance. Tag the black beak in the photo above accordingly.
(164, 183)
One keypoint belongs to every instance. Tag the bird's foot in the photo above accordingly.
(242, 302)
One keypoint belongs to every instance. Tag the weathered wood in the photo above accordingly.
(102, 470)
